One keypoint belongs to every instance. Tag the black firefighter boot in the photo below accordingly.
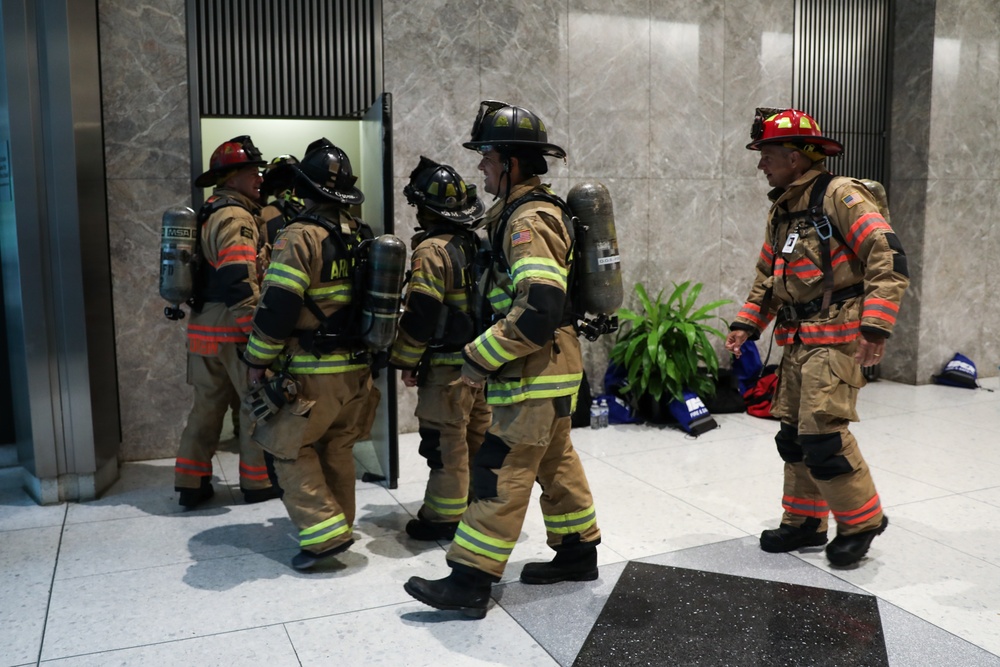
(466, 590)
(849, 549)
(786, 538)
(191, 498)
(572, 563)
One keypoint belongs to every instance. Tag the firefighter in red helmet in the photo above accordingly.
(831, 274)
(226, 292)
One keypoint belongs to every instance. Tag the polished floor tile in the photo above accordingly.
(134, 579)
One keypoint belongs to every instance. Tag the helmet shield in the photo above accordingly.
(325, 174)
(440, 189)
(231, 155)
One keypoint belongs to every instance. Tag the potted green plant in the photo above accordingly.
(665, 348)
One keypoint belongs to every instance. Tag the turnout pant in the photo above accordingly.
(453, 418)
(824, 469)
(317, 471)
(215, 379)
(525, 442)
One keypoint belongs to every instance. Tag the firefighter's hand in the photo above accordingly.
(255, 376)
(735, 340)
(870, 351)
(409, 377)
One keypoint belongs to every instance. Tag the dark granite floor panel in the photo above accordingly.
(561, 617)
(660, 615)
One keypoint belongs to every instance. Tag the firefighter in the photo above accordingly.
(226, 293)
(436, 324)
(279, 205)
(305, 327)
(529, 359)
(832, 274)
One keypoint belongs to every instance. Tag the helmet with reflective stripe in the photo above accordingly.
(793, 129)
(506, 127)
(234, 154)
(442, 191)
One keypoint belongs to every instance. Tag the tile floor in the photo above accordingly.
(130, 579)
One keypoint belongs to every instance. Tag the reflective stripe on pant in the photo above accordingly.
(319, 483)
(815, 400)
(215, 380)
(526, 441)
(453, 419)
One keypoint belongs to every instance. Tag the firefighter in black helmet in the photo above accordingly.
(304, 329)
(436, 324)
(529, 360)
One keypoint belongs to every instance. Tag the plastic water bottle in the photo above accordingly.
(595, 414)
(604, 412)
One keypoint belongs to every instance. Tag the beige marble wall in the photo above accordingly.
(147, 153)
(959, 307)
(652, 97)
(944, 185)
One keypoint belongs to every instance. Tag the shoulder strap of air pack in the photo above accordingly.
(215, 203)
(824, 229)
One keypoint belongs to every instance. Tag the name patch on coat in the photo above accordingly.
(521, 236)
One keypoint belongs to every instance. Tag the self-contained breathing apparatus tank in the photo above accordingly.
(383, 291)
(878, 192)
(178, 258)
(598, 264)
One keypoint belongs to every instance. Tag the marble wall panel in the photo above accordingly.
(609, 93)
(524, 57)
(432, 68)
(145, 89)
(633, 223)
(913, 66)
(151, 350)
(686, 243)
(743, 210)
(965, 127)
(758, 70)
(952, 300)
(687, 43)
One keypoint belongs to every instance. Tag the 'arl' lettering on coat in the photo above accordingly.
(339, 269)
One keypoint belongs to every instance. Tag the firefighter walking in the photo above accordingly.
(529, 359)
(832, 273)
(305, 328)
(437, 322)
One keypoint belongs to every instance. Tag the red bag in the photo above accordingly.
(758, 397)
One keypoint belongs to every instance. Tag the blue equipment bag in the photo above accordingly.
(959, 372)
(691, 414)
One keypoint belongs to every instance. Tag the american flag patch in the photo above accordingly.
(852, 199)
(519, 237)
(415, 265)
(279, 244)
